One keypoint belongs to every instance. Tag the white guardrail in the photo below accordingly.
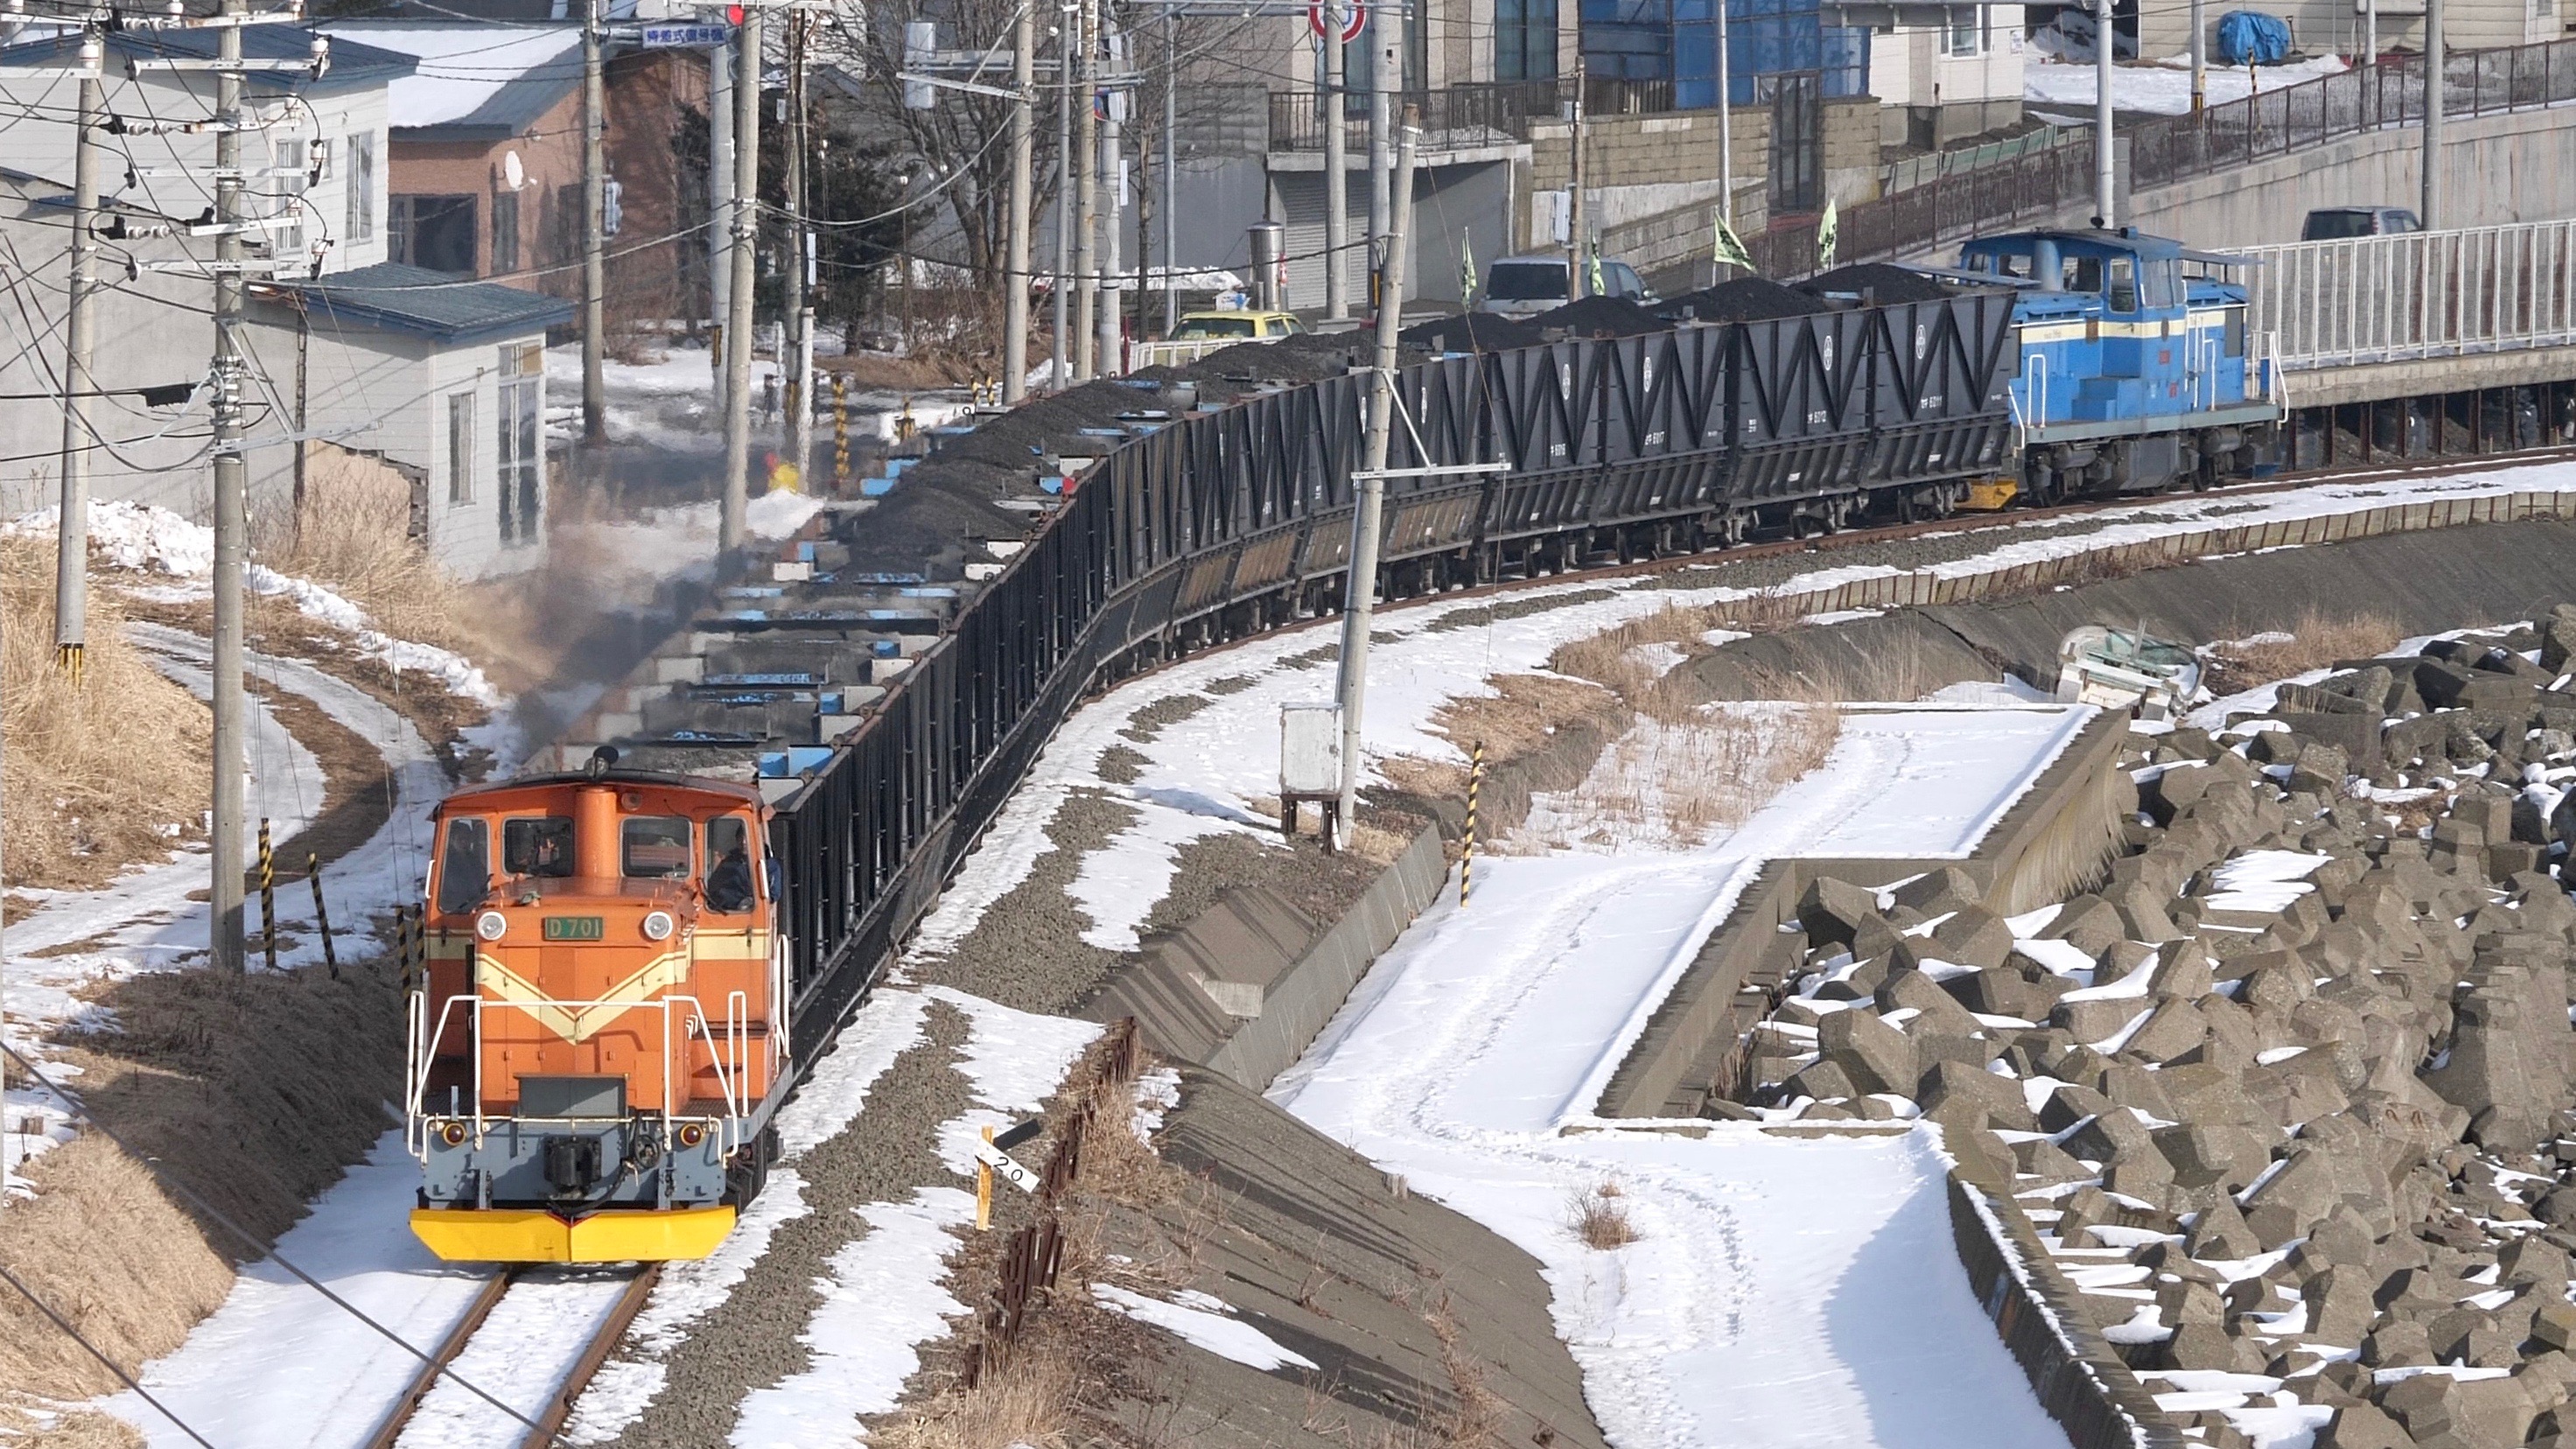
(2428, 294)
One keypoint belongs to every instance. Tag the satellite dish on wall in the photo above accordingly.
(512, 172)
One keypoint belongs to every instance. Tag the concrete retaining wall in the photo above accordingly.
(1305, 996)
(2505, 168)
(2056, 840)
(1244, 987)
(2079, 1379)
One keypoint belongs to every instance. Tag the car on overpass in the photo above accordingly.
(2336, 223)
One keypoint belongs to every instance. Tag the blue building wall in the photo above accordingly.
(1676, 40)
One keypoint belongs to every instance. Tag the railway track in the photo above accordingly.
(546, 1420)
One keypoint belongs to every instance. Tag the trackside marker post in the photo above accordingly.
(1467, 858)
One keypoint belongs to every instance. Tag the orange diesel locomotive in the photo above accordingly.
(600, 1036)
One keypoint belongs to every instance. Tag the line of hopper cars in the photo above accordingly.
(628, 969)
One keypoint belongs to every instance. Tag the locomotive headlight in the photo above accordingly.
(692, 1133)
(657, 925)
(490, 925)
(452, 1133)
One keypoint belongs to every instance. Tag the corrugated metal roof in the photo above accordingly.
(403, 298)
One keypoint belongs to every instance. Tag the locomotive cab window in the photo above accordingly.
(537, 845)
(729, 873)
(2083, 274)
(464, 866)
(653, 846)
(2122, 294)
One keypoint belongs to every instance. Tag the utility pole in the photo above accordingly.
(232, 503)
(2104, 183)
(2370, 32)
(2435, 83)
(80, 326)
(2199, 60)
(1337, 196)
(594, 229)
(1086, 201)
(1015, 272)
(1068, 24)
(1381, 147)
(1725, 126)
(720, 199)
(730, 529)
(1112, 211)
(1171, 168)
(1575, 220)
(1360, 597)
(798, 336)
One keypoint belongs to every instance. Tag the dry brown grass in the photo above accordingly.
(2315, 641)
(57, 1427)
(1030, 1400)
(353, 535)
(1898, 674)
(1598, 1216)
(253, 1092)
(99, 776)
(1676, 782)
(1524, 711)
(104, 1246)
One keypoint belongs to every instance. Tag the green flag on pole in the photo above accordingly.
(1466, 269)
(1730, 248)
(1827, 232)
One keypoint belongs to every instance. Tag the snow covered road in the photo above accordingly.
(1780, 1292)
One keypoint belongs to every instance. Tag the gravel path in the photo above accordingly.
(1027, 951)
(750, 1340)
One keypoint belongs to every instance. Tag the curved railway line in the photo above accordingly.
(550, 1418)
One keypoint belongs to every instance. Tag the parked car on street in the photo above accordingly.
(1527, 286)
(2334, 223)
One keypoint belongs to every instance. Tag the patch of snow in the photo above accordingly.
(882, 1299)
(1206, 1323)
(2159, 88)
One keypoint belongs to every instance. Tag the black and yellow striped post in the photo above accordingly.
(1467, 859)
(322, 915)
(840, 431)
(267, 896)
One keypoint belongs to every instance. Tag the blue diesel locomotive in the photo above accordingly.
(2136, 371)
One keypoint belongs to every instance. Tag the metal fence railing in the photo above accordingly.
(2417, 295)
(1955, 205)
(1472, 113)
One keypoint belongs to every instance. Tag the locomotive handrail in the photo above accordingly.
(731, 1078)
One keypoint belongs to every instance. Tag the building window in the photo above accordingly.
(287, 242)
(460, 448)
(361, 181)
(522, 438)
(1524, 40)
(505, 233)
(1965, 35)
(436, 232)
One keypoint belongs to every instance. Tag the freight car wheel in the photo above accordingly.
(748, 1172)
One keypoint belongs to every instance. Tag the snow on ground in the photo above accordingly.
(2164, 87)
(1206, 1321)
(1201, 775)
(1780, 1292)
(150, 539)
(885, 1295)
(278, 1365)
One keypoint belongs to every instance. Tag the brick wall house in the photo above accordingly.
(486, 156)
